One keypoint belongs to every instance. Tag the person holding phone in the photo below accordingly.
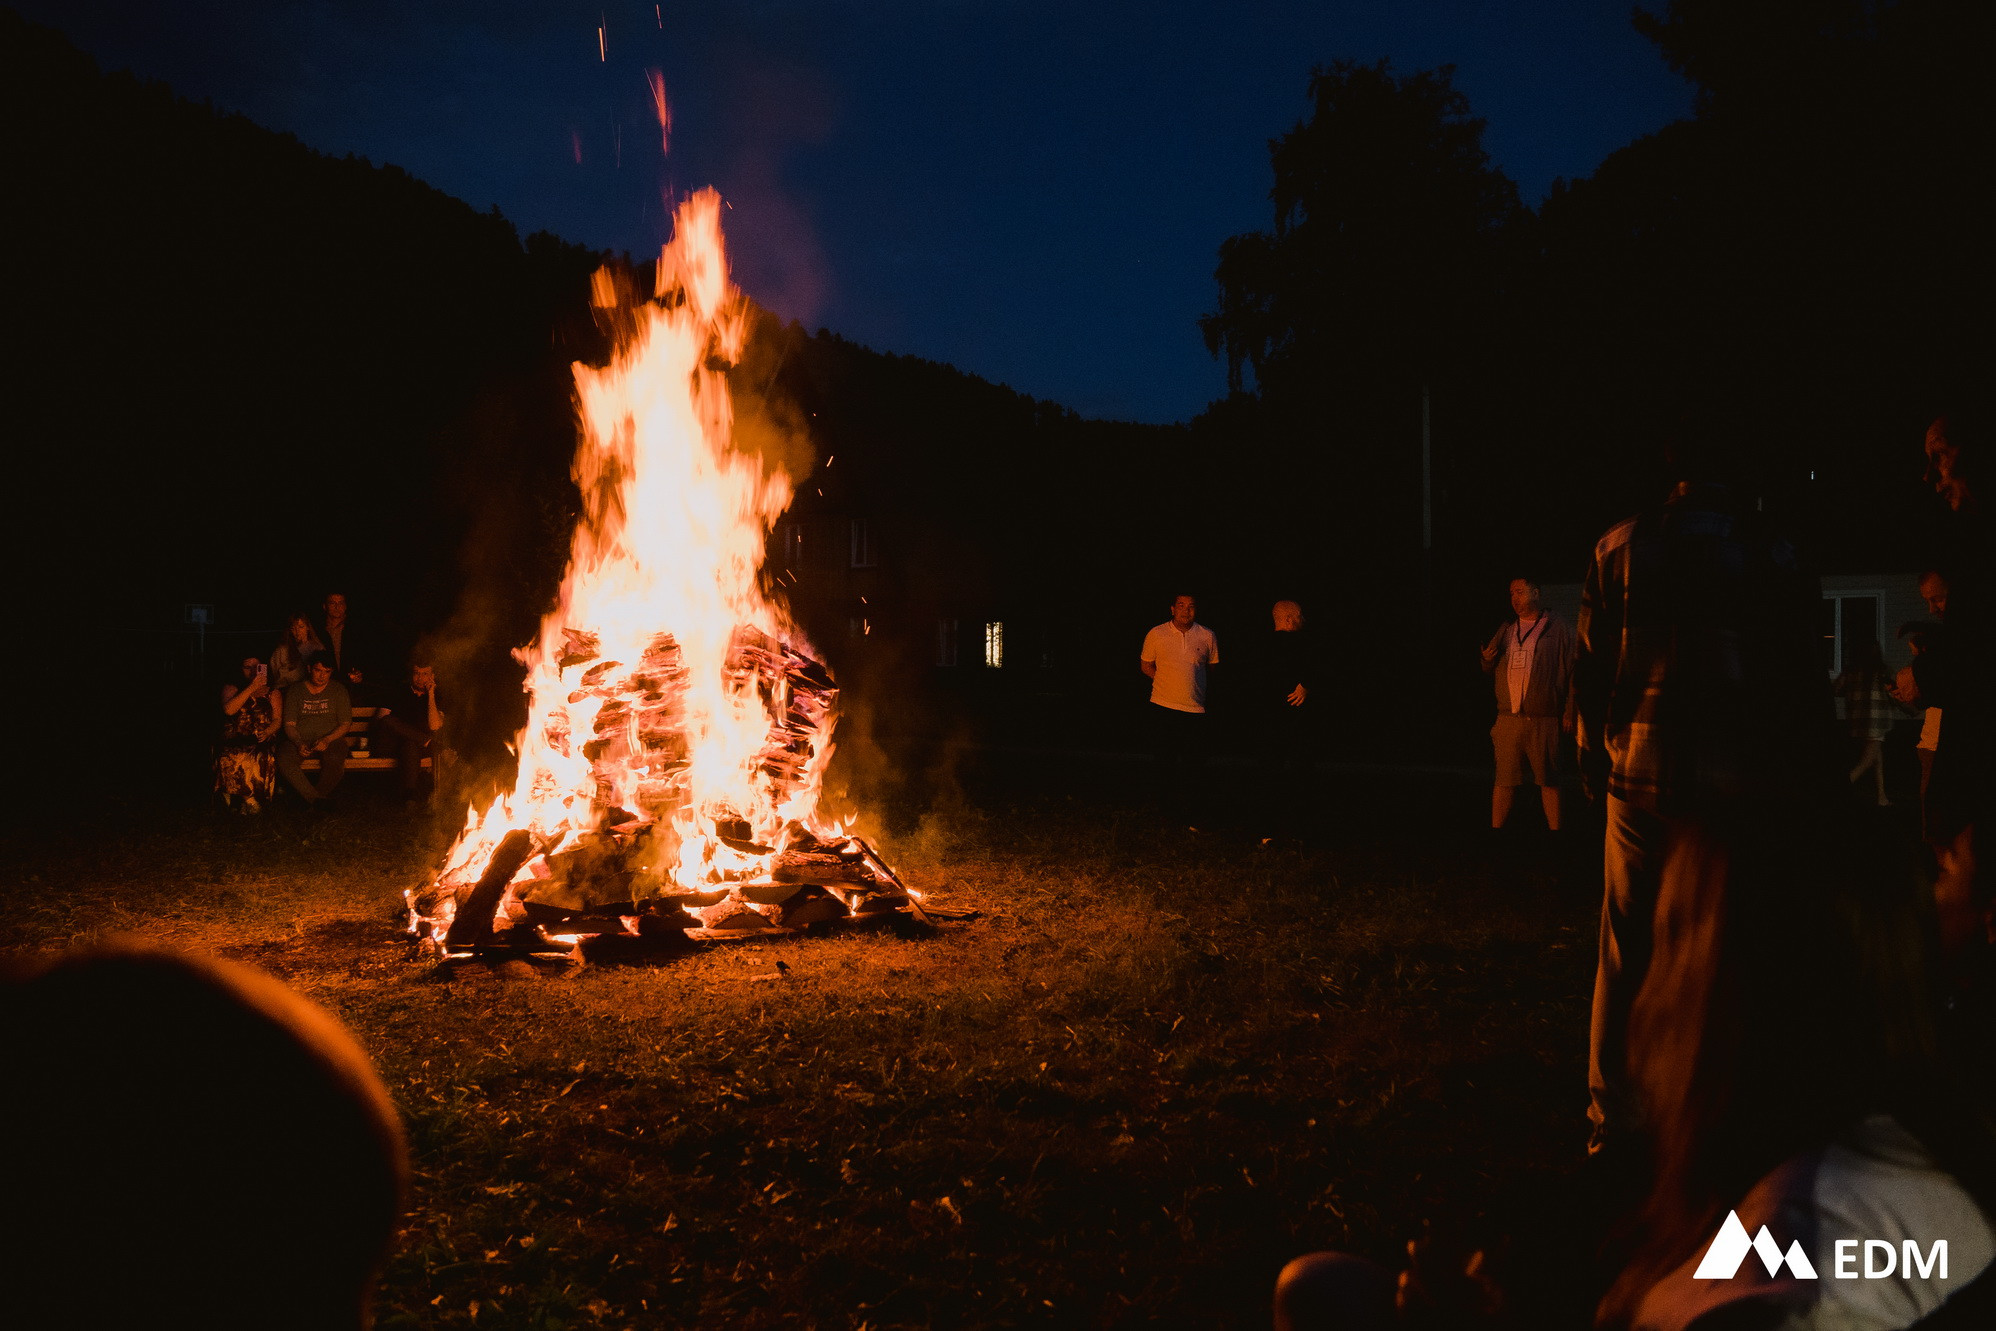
(245, 758)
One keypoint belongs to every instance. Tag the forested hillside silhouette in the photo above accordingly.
(249, 372)
(243, 371)
(247, 361)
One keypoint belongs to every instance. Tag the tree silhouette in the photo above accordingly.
(1382, 284)
(1388, 244)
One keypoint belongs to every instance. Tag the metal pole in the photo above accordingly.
(1427, 479)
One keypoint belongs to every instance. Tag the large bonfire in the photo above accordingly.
(680, 724)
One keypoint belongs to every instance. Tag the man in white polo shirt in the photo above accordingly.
(1176, 656)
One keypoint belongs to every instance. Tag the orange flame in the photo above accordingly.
(664, 685)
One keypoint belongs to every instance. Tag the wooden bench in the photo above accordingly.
(358, 757)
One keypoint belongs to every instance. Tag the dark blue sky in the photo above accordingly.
(1032, 191)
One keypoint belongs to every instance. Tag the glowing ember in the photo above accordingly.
(656, 82)
(679, 723)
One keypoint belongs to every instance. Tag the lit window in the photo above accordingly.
(994, 644)
(945, 642)
(1847, 618)
(862, 543)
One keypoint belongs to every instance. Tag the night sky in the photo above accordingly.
(1031, 191)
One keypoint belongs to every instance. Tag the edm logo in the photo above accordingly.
(1881, 1259)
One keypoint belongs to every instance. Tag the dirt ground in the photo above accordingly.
(1156, 1064)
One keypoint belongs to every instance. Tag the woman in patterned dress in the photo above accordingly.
(245, 759)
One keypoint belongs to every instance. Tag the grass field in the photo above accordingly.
(1156, 1065)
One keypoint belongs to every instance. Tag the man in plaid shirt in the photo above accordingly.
(1702, 695)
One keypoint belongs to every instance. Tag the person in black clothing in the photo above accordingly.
(1285, 720)
(1289, 656)
(1957, 677)
(332, 631)
(411, 723)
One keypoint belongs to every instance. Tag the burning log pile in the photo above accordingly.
(617, 888)
(678, 724)
(598, 895)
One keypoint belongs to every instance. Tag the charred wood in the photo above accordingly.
(559, 919)
(813, 905)
(817, 867)
(473, 921)
(737, 833)
(625, 949)
(666, 924)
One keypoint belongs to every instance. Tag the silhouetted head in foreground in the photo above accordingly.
(1933, 593)
(1957, 452)
(1794, 990)
(190, 1143)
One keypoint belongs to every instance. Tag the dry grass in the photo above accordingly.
(1157, 1065)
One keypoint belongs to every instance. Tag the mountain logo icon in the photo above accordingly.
(1722, 1260)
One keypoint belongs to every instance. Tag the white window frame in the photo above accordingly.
(1838, 598)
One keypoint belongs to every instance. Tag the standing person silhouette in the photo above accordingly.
(1868, 712)
(1924, 639)
(1176, 658)
(1700, 691)
(1958, 677)
(1531, 661)
(337, 636)
(1285, 720)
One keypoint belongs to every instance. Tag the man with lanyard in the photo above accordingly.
(1534, 701)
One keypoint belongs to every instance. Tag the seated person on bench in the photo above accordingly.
(317, 716)
(408, 723)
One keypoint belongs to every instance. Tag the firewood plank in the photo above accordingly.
(473, 922)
